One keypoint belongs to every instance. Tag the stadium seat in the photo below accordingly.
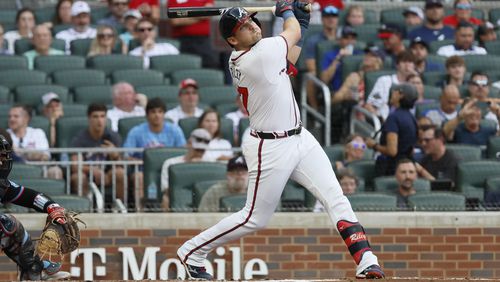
(74, 203)
(41, 122)
(8, 17)
(45, 14)
(481, 62)
(60, 27)
(75, 110)
(232, 203)
(389, 185)
(350, 64)
(80, 47)
(170, 63)
(32, 94)
(204, 77)
(24, 44)
(67, 128)
(168, 93)
(437, 201)
(493, 148)
(215, 95)
(125, 124)
(371, 78)
(134, 43)
(223, 109)
(13, 62)
(21, 171)
(5, 96)
(50, 187)
(226, 127)
(14, 78)
(367, 32)
(49, 64)
(114, 62)
(75, 78)
(182, 178)
(394, 16)
(242, 126)
(420, 109)
(199, 189)
(465, 153)
(432, 78)
(364, 169)
(435, 45)
(138, 77)
(432, 92)
(99, 13)
(494, 15)
(293, 197)
(4, 109)
(372, 202)
(471, 177)
(93, 94)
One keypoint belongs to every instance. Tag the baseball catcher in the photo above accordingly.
(15, 241)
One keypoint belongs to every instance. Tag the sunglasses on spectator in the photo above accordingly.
(463, 6)
(120, 3)
(358, 145)
(480, 83)
(201, 140)
(105, 35)
(143, 29)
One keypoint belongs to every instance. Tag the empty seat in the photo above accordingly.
(215, 95)
(138, 77)
(493, 148)
(13, 62)
(364, 169)
(168, 93)
(22, 171)
(169, 63)
(50, 187)
(204, 77)
(432, 92)
(125, 124)
(394, 16)
(232, 203)
(24, 44)
(111, 63)
(32, 94)
(75, 78)
(93, 94)
(437, 201)
(367, 32)
(49, 64)
(67, 128)
(372, 202)
(465, 153)
(389, 185)
(471, 177)
(4, 109)
(14, 78)
(481, 62)
(80, 47)
(5, 96)
(75, 110)
(293, 197)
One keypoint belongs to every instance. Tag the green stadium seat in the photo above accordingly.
(350, 64)
(199, 189)
(372, 202)
(5, 96)
(99, 13)
(494, 15)
(394, 16)
(437, 201)
(60, 27)
(471, 177)
(367, 32)
(114, 62)
(74, 203)
(420, 109)
(301, 62)
(435, 45)
(493, 47)
(204, 77)
(371, 78)
(14, 78)
(182, 178)
(8, 17)
(80, 47)
(75, 78)
(168, 93)
(153, 162)
(242, 126)
(493, 148)
(24, 44)
(432, 92)
(465, 153)
(49, 64)
(215, 95)
(67, 128)
(389, 185)
(125, 124)
(45, 14)
(93, 94)
(170, 63)
(223, 109)
(481, 62)
(432, 78)
(13, 62)
(293, 197)
(50, 187)
(493, 184)
(32, 94)
(226, 127)
(232, 203)
(134, 43)
(22, 172)
(364, 169)
(75, 110)
(42, 123)
(138, 77)
(4, 109)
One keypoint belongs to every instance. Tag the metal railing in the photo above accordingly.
(367, 126)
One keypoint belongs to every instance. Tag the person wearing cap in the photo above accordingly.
(188, 102)
(124, 104)
(464, 43)
(236, 183)
(146, 33)
(392, 37)
(147, 8)
(433, 28)
(420, 50)
(479, 89)
(42, 40)
(399, 131)
(130, 20)
(52, 110)
(117, 9)
(80, 20)
(414, 16)
(463, 12)
(486, 33)
(197, 145)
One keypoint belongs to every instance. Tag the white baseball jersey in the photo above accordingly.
(264, 85)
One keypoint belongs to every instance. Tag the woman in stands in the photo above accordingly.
(63, 12)
(25, 21)
(219, 149)
(105, 41)
(354, 150)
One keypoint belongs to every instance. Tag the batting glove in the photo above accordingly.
(301, 14)
(282, 6)
(56, 213)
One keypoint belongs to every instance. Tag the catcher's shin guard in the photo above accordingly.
(354, 237)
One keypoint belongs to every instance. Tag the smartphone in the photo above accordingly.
(350, 49)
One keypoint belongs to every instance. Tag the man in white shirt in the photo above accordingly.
(188, 102)
(80, 18)
(464, 43)
(449, 100)
(146, 34)
(124, 104)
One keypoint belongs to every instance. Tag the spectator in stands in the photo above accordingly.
(62, 13)
(130, 20)
(355, 16)
(414, 16)
(124, 104)
(433, 28)
(399, 131)
(97, 136)
(448, 102)
(42, 40)
(392, 37)
(438, 162)
(4, 49)
(349, 183)
(148, 8)
(378, 98)
(219, 149)
(197, 145)
(236, 183)
(470, 131)
(194, 33)
(418, 152)
(486, 33)
(188, 102)
(463, 13)
(15, 157)
(236, 116)
(420, 49)
(354, 150)
(406, 174)
(25, 22)
(52, 110)
(479, 89)
(416, 80)
(105, 41)
(464, 43)
(331, 66)
(80, 20)
(455, 72)
(147, 35)
(117, 9)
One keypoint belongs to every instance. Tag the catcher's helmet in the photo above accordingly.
(232, 19)
(5, 158)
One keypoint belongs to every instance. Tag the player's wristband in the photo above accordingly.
(288, 14)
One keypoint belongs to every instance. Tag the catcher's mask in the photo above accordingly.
(5, 158)
(233, 18)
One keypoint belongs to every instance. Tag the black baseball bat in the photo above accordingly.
(188, 12)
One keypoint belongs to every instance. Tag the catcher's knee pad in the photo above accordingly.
(354, 237)
(30, 264)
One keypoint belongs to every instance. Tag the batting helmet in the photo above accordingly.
(5, 158)
(232, 19)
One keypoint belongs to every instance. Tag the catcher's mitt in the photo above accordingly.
(59, 239)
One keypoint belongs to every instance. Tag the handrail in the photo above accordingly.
(377, 125)
(99, 198)
(306, 109)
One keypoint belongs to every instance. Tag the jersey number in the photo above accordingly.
(243, 91)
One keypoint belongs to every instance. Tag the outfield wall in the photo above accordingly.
(294, 246)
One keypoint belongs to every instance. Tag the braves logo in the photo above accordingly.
(357, 237)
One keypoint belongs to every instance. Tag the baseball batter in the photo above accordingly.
(279, 147)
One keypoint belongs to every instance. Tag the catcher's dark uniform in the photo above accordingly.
(14, 240)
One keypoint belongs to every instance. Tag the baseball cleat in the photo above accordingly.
(197, 273)
(51, 268)
(371, 272)
(61, 275)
